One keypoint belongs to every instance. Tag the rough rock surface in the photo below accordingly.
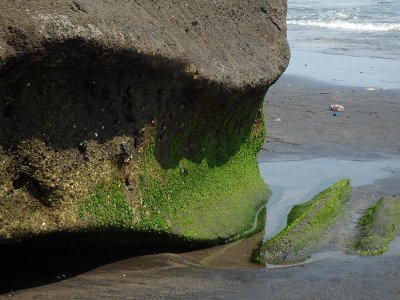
(111, 110)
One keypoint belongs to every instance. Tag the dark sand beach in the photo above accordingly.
(300, 126)
(368, 128)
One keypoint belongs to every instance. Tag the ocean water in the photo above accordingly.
(356, 38)
(359, 28)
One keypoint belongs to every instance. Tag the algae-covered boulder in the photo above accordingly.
(138, 121)
(307, 224)
(377, 228)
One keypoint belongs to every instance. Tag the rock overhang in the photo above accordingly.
(100, 98)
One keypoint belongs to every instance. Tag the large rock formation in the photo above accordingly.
(134, 120)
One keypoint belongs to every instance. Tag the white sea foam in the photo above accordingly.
(364, 27)
(353, 28)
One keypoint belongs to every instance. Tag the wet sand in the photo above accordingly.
(368, 129)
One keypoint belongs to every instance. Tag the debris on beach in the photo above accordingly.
(336, 114)
(278, 120)
(336, 107)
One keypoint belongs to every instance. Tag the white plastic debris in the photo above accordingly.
(336, 107)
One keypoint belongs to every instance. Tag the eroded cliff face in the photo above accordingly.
(135, 120)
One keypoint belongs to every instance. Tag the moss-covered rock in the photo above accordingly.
(134, 122)
(377, 227)
(306, 226)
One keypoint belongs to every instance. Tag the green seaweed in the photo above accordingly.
(377, 227)
(211, 194)
(299, 210)
(205, 196)
(203, 202)
(306, 226)
(107, 207)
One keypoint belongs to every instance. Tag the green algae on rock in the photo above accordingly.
(377, 227)
(117, 117)
(306, 226)
(210, 196)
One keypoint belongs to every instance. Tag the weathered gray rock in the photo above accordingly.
(236, 43)
(139, 117)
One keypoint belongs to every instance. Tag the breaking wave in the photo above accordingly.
(364, 27)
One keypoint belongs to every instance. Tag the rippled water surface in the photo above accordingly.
(346, 42)
(360, 28)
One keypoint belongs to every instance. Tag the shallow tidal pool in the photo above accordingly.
(297, 181)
